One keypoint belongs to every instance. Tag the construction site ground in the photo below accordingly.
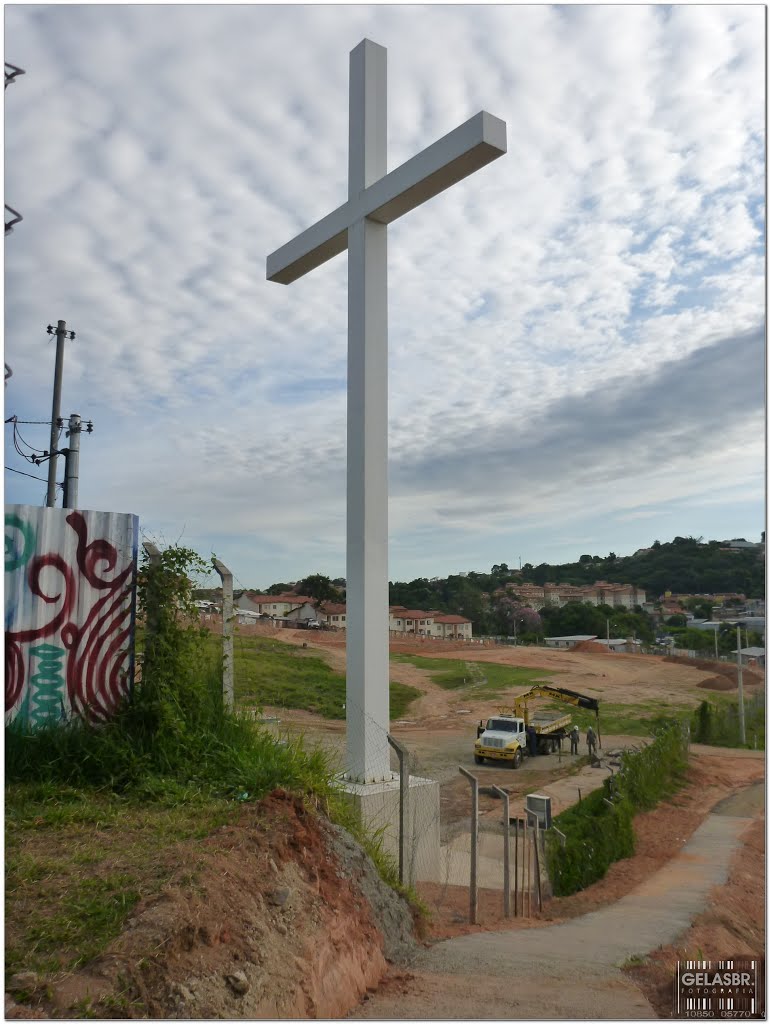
(439, 734)
(284, 919)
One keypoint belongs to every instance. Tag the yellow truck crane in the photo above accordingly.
(513, 732)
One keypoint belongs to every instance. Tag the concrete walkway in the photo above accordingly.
(570, 970)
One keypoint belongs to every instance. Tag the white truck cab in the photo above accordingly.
(503, 739)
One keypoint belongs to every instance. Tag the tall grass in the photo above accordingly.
(173, 728)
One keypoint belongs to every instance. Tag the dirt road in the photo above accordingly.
(571, 970)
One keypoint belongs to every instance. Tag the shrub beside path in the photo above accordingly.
(571, 970)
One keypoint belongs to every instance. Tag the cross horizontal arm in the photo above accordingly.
(476, 143)
(316, 245)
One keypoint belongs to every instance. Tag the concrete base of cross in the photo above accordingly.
(378, 804)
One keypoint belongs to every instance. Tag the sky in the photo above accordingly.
(576, 331)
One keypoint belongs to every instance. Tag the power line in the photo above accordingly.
(31, 475)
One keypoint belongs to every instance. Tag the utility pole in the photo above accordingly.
(72, 463)
(61, 334)
(72, 460)
(741, 715)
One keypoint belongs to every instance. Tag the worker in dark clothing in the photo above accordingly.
(532, 740)
(479, 729)
(591, 741)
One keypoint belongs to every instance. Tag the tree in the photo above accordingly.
(319, 587)
(279, 588)
(676, 620)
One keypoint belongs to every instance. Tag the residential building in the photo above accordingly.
(332, 614)
(452, 627)
(305, 612)
(430, 623)
(274, 605)
(616, 595)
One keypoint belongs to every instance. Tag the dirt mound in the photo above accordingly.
(590, 647)
(287, 918)
(719, 683)
(721, 668)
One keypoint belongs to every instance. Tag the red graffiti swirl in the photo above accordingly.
(90, 555)
(99, 649)
(36, 567)
(14, 673)
(96, 677)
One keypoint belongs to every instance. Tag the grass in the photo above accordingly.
(629, 719)
(79, 860)
(479, 677)
(277, 674)
(95, 816)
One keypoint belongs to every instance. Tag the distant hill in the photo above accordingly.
(683, 566)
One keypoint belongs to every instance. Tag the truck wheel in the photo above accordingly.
(477, 759)
(517, 759)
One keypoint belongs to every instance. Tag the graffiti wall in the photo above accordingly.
(70, 600)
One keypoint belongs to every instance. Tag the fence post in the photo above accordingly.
(536, 858)
(474, 896)
(151, 622)
(506, 850)
(526, 892)
(228, 686)
(561, 835)
(403, 802)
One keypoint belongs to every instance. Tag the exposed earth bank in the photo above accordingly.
(281, 915)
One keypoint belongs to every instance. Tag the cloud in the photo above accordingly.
(558, 298)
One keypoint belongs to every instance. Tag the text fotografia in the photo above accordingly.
(719, 989)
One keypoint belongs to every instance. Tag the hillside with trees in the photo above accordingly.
(686, 565)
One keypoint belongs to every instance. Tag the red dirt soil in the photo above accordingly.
(659, 834)
(733, 926)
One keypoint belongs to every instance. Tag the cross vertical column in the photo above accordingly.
(368, 702)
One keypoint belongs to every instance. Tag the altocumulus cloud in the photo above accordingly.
(599, 287)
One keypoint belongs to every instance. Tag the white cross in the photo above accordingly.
(375, 198)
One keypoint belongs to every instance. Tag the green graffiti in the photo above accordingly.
(45, 695)
(15, 558)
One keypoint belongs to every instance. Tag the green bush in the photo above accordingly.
(719, 724)
(173, 730)
(599, 830)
